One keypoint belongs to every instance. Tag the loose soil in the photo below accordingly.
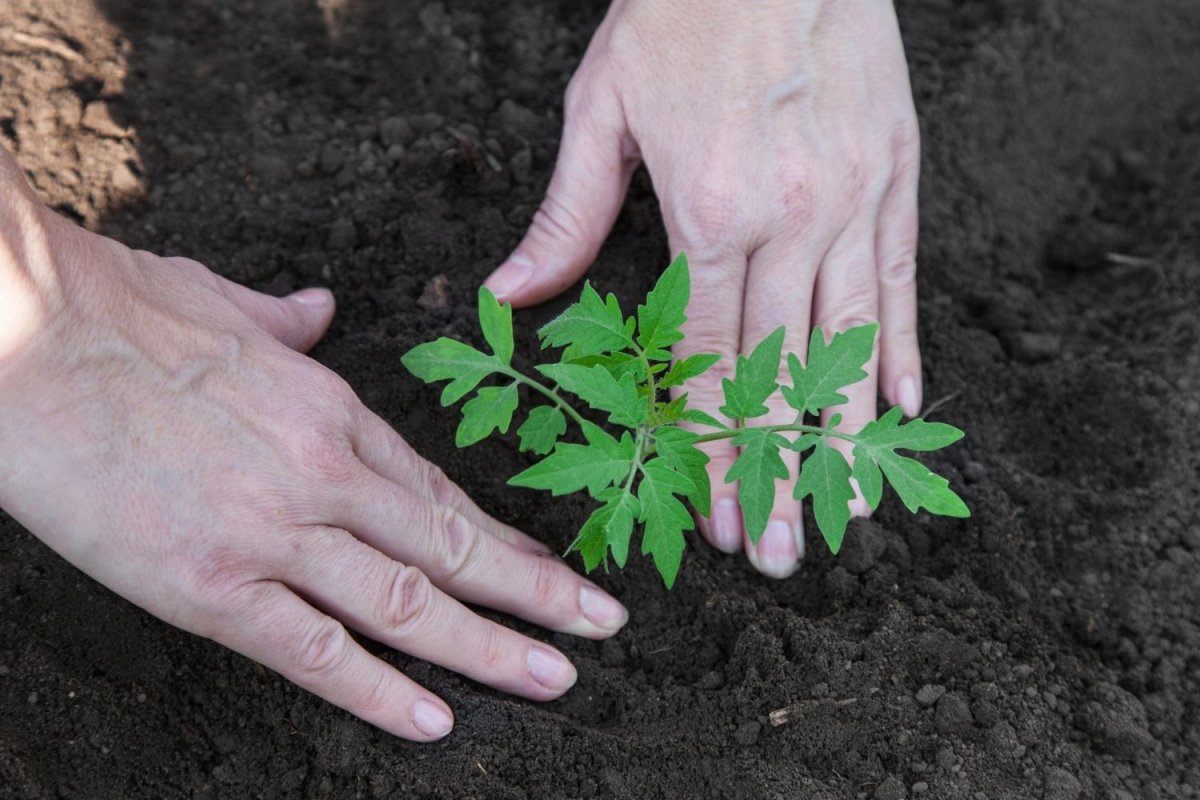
(1047, 647)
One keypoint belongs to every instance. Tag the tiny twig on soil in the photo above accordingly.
(782, 716)
(936, 404)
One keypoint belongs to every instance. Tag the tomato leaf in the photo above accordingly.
(447, 359)
(662, 315)
(599, 389)
(589, 327)
(756, 470)
(664, 517)
(573, 467)
(831, 367)
(541, 429)
(825, 476)
(754, 379)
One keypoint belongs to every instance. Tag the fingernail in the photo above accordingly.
(777, 550)
(431, 719)
(551, 669)
(600, 609)
(727, 526)
(511, 276)
(906, 392)
(318, 298)
(799, 531)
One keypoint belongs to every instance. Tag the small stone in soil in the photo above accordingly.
(974, 472)
(890, 789)
(929, 694)
(1034, 348)
(436, 295)
(1060, 785)
(953, 715)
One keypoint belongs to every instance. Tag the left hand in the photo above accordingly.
(783, 144)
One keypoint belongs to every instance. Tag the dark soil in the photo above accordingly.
(1047, 647)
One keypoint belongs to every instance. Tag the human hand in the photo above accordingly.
(783, 145)
(159, 430)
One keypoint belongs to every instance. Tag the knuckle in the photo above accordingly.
(905, 140)
(898, 271)
(375, 697)
(322, 649)
(492, 653)
(853, 315)
(217, 572)
(557, 221)
(547, 589)
(458, 544)
(406, 601)
(441, 489)
(330, 457)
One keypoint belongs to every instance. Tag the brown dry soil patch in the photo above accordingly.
(1048, 647)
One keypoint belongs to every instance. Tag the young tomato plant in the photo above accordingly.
(644, 470)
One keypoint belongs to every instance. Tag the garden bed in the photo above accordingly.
(1047, 647)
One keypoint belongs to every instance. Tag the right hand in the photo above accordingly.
(161, 431)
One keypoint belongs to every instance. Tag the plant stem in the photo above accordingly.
(636, 464)
(797, 428)
(548, 392)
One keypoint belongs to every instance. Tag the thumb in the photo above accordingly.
(298, 320)
(595, 162)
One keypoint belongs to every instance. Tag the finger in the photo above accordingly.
(779, 291)
(896, 252)
(385, 452)
(280, 631)
(595, 162)
(397, 605)
(298, 320)
(846, 297)
(464, 561)
(714, 321)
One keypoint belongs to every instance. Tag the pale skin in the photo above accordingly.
(783, 145)
(161, 429)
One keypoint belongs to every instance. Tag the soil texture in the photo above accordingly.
(1049, 647)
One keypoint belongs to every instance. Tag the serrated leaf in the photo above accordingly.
(918, 487)
(677, 448)
(665, 518)
(490, 409)
(572, 467)
(589, 327)
(619, 364)
(662, 315)
(756, 469)
(608, 528)
(541, 429)
(830, 368)
(448, 359)
(754, 379)
(825, 475)
(917, 434)
(496, 322)
(698, 417)
(870, 479)
(599, 389)
(685, 369)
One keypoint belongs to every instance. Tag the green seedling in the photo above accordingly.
(645, 465)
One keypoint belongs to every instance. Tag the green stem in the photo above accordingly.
(649, 450)
(636, 464)
(729, 434)
(548, 392)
